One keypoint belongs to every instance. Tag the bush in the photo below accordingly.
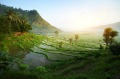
(23, 67)
(41, 69)
(4, 60)
(115, 49)
(97, 54)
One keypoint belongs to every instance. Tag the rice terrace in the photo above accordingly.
(80, 41)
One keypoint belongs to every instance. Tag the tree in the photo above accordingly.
(76, 37)
(10, 18)
(60, 44)
(56, 33)
(24, 26)
(12, 23)
(4, 28)
(115, 49)
(113, 34)
(109, 35)
(17, 23)
(70, 40)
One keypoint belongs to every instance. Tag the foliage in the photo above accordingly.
(39, 25)
(70, 40)
(87, 63)
(41, 69)
(14, 44)
(76, 37)
(4, 29)
(109, 35)
(115, 48)
(60, 44)
(5, 60)
(23, 66)
(56, 33)
(101, 47)
(13, 23)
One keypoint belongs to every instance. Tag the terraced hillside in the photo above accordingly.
(61, 59)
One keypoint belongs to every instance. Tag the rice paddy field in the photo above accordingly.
(60, 58)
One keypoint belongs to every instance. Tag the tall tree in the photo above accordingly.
(56, 33)
(10, 18)
(24, 26)
(76, 37)
(17, 23)
(70, 40)
(109, 35)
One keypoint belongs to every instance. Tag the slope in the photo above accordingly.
(39, 25)
(115, 26)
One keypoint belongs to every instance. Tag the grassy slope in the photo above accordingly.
(22, 43)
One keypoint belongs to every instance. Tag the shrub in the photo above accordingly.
(41, 69)
(115, 49)
(97, 54)
(101, 47)
(4, 60)
(23, 66)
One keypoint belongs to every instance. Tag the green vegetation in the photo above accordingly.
(41, 69)
(115, 48)
(13, 23)
(88, 60)
(61, 57)
(22, 43)
(76, 37)
(109, 35)
(23, 67)
(56, 33)
(39, 25)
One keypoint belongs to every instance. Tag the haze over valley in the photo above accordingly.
(59, 39)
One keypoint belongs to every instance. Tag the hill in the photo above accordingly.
(39, 25)
(115, 26)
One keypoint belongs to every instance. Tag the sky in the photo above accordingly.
(72, 15)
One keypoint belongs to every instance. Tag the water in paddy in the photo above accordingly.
(35, 59)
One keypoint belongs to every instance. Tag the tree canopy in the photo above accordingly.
(12, 22)
(109, 35)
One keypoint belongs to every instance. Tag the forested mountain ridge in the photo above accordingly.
(39, 25)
